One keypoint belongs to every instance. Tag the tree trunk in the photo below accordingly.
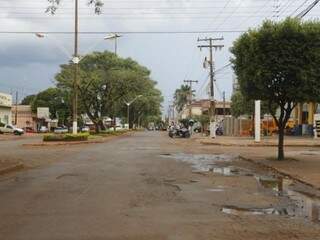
(97, 127)
(281, 143)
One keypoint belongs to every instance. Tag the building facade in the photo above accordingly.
(5, 108)
(23, 117)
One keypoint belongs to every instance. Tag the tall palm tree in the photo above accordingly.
(182, 96)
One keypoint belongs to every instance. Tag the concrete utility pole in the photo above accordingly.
(211, 46)
(75, 60)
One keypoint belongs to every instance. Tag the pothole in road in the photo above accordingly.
(201, 162)
(299, 204)
(296, 203)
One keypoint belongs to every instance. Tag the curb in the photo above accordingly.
(277, 171)
(13, 168)
(54, 144)
(257, 144)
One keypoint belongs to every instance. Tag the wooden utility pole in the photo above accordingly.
(190, 82)
(211, 46)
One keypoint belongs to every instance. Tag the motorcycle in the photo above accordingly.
(182, 133)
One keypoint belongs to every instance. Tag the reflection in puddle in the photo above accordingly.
(215, 190)
(249, 211)
(303, 204)
(201, 162)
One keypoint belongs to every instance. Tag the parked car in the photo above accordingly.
(60, 130)
(85, 129)
(43, 129)
(7, 128)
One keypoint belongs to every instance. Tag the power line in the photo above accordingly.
(122, 32)
(308, 9)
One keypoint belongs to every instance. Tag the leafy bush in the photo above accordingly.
(66, 137)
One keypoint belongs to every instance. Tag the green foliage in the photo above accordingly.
(57, 100)
(242, 106)
(279, 63)
(202, 119)
(66, 137)
(182, 96)
(28, 100)
(107, 82)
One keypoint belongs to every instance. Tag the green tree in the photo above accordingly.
(242, 106)
(106, 82)
(182, 97)
(58, 102)
(28, 99)
(279, 63)
(204, 120)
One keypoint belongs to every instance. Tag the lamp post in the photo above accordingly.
(75, 61)
(114, 36)
(128, 108)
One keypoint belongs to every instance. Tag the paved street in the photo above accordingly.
(143, 187)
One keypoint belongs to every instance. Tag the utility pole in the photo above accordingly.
(190, 82)
(76, 70)
(16, 112)
(211, 46)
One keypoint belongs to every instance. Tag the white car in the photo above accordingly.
(43, 129)
(61, 130)
(7, 128)
(85, 129)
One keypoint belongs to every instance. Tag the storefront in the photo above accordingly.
(5, 108)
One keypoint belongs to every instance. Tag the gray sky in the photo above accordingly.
(28, 64)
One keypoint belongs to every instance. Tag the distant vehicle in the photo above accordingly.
(197, 129)
(43, 129)
(7, 128)
(60, 130)
(179, 132)
(28, 129)
(85, 129)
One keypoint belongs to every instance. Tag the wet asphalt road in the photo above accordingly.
(125, 189)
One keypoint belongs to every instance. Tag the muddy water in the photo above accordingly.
(299, 203)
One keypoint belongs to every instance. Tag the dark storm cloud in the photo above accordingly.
(24, 54)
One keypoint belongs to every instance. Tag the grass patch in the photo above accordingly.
(66, 137)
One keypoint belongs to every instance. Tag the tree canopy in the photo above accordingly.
(242, 106)
(107, 82)
(182, 97)
(279, 64)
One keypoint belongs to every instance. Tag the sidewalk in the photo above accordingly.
(265, 141)
(303, 154)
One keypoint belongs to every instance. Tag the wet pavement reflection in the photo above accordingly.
(301, 204)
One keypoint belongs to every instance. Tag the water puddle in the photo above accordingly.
(297, 203)
(238, 211)
(215, 190)
(201, 162)
(303, 204)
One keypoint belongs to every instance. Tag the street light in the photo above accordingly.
(114, 36)
(128, 108)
